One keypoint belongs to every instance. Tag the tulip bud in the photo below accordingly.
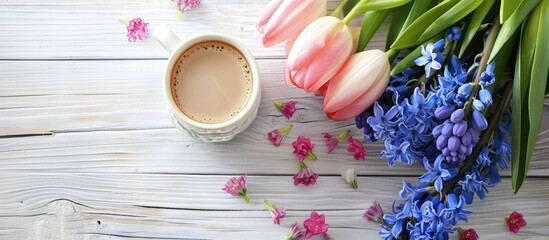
(318, 53)
(284, 20)
(361, 81)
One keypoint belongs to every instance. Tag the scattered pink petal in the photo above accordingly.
(237, 187)
(374, 213)
(305, 176)
(333, 141)
(469, 234)
(186, 5)
(294, 233)
(288, 109)
(276, 136)
(303, 148)
(515, 222)
(355, 146)
(315, 225)
(276, 213)
(137, 29)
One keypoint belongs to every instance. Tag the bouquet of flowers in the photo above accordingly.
(438, 96)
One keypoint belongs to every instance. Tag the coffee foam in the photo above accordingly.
(211, 82)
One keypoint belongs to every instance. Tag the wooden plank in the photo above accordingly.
(91, 30)
(111, 118)
(159, 206)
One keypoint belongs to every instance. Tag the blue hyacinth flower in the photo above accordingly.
(429, 59)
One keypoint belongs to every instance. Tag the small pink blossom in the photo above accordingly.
(288, 109)
(469, 234)
(333, 141)
(305, 176)
(186, 5)
(316, 225)
(276, 136)
(276, 213)
(355, 146)
(237, 187)
(303, 148)
(294, 233)
(374, 213)
(515, 222)
(137, 29)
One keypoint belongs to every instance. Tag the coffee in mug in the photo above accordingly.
(211, 82)
(211, 85)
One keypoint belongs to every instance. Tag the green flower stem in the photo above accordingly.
(311, 155)
(355, 11)
(341, 137)
(302, 165)
(124, 21)
(488, 45)
(486, 135)
(286, 129)
(271, 207)
(392, 54)
(246, 198)
(339, 9)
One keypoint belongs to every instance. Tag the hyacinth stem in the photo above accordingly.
(488, 45)
(498, 110)
(339, 9)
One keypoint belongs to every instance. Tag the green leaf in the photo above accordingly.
(456, 13)
(540, 68)
(531, 73)
(409, 37)
(507, 8)
(378, 5)
(370, 24)
(397, 23)
(408, 61)
(474, 24)
(512, 24)
(547, 86)
(349, 5)
(519, 132)
(371, 6)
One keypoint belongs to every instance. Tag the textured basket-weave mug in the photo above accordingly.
(207, 132)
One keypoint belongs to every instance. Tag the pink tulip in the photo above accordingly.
(318, 53)
(283, 20)
(360, 82)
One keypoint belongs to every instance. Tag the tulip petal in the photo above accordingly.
(326, 65)
(291, 18)
(361, 72)
(267, 13)
(289, 44)
(362, 103)
(311, 41)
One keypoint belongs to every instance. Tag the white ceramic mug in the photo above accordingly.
(207, 132)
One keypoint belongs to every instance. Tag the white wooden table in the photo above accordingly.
(87, 150)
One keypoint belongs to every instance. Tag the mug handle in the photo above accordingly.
(167, 38)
